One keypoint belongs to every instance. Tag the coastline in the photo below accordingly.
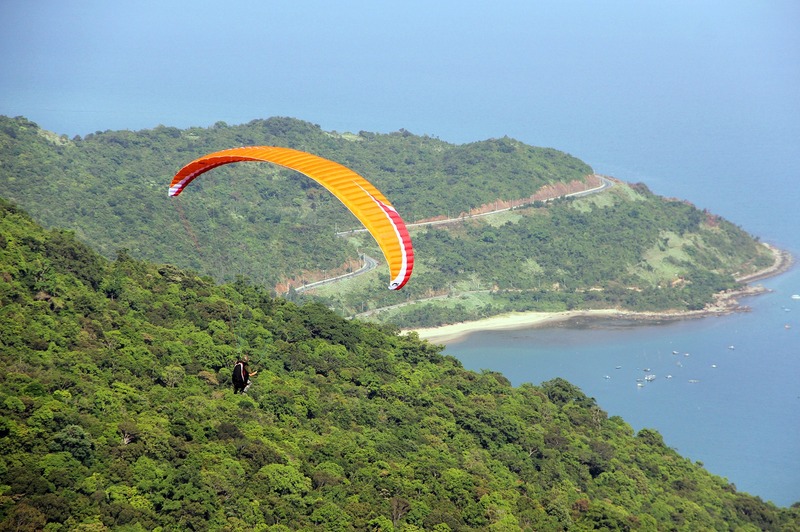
(724, 303)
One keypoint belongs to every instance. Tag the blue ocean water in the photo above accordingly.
(725, 389)
(698, 100)
(741, 418)
(736, 154)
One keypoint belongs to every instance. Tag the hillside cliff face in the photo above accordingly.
(117, 413)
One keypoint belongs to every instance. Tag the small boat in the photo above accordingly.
(693, 381)
(650, 378)
(713, 365)
(795, 296)
(669, 376)
(607, 377)
(674, 352)
(731, 347)
(639, 384)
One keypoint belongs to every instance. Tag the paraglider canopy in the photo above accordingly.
(359, 195)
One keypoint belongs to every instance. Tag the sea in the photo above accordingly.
(697, 100)
(723, 391)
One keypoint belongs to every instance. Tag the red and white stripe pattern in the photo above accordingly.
(176, 188)
(406, 249)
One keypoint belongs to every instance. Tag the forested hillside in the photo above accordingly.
(254, 220)
(625, 247)
(116, 413)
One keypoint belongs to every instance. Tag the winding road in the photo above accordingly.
(371, 263)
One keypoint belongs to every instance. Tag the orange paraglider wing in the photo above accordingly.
(359, 195)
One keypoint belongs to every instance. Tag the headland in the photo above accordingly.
(724, 303)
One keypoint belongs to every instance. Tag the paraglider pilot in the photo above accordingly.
(241, 375)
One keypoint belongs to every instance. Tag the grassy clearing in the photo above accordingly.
(501, 218)
(595, 201)
(663, 260)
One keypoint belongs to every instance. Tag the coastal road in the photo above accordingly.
(371, 263)
(605, 183)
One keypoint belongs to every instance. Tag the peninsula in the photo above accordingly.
(724, 303)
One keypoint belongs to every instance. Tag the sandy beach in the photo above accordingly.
(725, 303)
(512, 320)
